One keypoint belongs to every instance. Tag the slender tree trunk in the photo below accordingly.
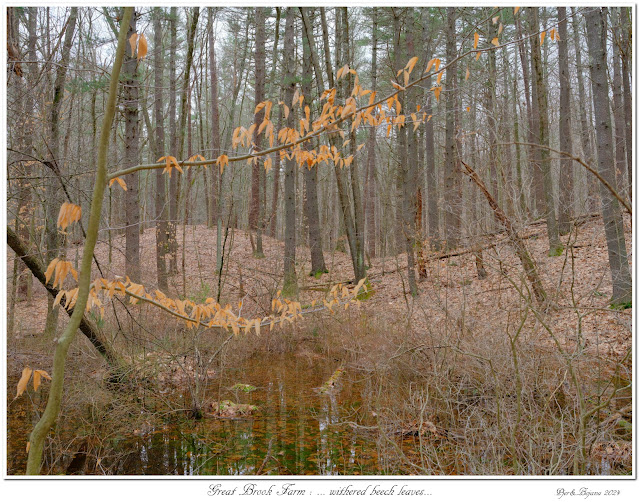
(452, 180)
(521, 196)
(400, 156)
(53, 199)
(357, 254)
(613, 221)
(494, 165)
(288, 89)
(542, 106)
(505, 151)
(276, 178)
(533, 165)
(565, 135)
(42, 428)
(272, 219)
(626, 66)
(356, 249)
(618, 110)
(318, 265)
(371, 165)
(25, 201)
(431, 172)
(183, 132)
(173, 143)
(409, 167)
(583, 120)
(161, 213)
(255, 225)
(216, 176)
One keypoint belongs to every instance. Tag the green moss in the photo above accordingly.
(244, 387)
(331, 382)
(621, 306)
(318, 273)
(558, 251)
(290, 289)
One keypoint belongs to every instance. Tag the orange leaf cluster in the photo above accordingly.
(120, 182)
(26, 376)
(140, 42)
(211, 314)
(69, 213)
(59, 269)
(170, 162)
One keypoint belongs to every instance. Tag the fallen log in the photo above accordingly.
(86, 326)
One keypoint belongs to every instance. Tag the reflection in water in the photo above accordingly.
(296, 430)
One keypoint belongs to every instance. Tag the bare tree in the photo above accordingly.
(452, 180)
(255, 223)
(613, 221)
(584, 124)
(130, 91)
(565, 135)
(288, 90)
(53, 198)
(318, 265)
(543, 139)
(161, 212)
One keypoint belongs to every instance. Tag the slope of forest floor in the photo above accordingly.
(392, 333)
(451, 295)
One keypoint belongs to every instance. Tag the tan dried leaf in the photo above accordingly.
(24, 380)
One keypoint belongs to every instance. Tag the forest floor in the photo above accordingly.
(454, 309)
(579, 280)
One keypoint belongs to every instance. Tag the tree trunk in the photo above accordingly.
(409, 165)
(565, 135)
(272, 219)
(533, 165)
(356, 249)
(288, 89)
(131, 156)
(255, 225)
(452, 182)
(318, 265)
(25, 200)
(491, 83)
(618, 110)
(431, 172)
(53, 199)
(371, 165)
(161, 213)
(184, 132)
(173, 146)
(521, 195)
(613, 221)
(586, 148)
(276, 178)
(357, 254)
(48, 418)
(216, 176)
(542, 106)
(626, 66)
